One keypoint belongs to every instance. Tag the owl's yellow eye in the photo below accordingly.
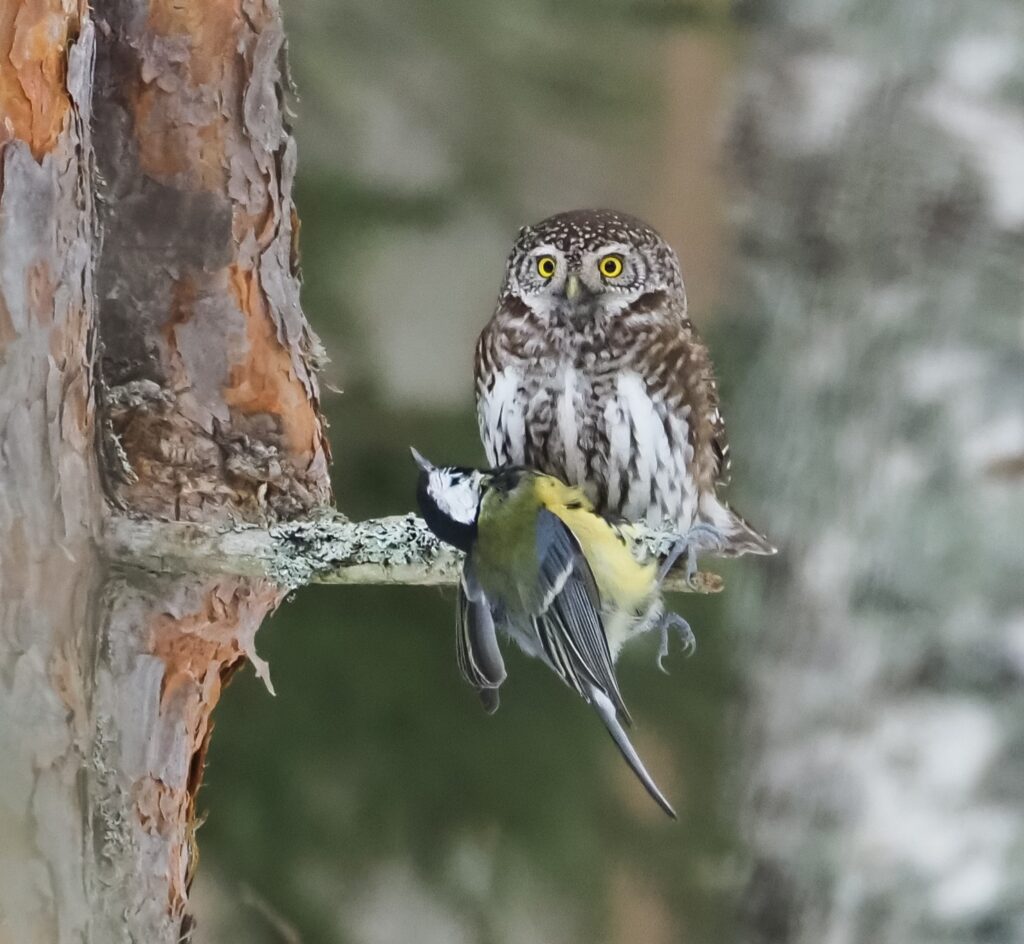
(611, 266)
(546, 266)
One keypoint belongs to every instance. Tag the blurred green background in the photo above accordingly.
(372, 800)
(845, 748)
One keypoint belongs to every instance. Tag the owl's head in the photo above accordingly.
(586, 263)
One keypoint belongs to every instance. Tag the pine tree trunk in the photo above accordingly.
(50, 572)
(206, 410)
(881, 148)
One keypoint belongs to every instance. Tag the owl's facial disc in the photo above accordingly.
(578, 284)
(603, 282)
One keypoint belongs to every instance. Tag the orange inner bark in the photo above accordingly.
(34, 102)
(265, 382)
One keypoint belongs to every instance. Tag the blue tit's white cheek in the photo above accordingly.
(455, 498)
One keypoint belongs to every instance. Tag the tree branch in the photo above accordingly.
(328, 549)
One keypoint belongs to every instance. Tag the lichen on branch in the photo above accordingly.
(325, 549)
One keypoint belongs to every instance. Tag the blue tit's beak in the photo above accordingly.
(425, 464)
(573, 287)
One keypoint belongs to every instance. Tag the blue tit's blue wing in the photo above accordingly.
(568, 613)
(476, 643)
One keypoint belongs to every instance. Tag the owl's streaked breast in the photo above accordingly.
(598, 428)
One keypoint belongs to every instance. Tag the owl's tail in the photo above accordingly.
(739, 537)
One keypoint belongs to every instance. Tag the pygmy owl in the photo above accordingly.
(590, 370)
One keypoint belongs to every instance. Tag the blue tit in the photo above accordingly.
(546, 570)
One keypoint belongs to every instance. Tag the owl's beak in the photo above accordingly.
(573, 287)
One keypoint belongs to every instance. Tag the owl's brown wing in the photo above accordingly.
(720, 442)
(700, 389)
(677, 370)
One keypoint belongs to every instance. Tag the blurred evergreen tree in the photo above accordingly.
(881, 153)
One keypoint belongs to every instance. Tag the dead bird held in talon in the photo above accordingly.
(559, 579)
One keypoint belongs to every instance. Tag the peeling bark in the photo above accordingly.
(208, 361)
(208, 413)
(50, 572)
(209, 402)
(168, 644)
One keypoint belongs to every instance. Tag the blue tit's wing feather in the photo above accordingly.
(476, 643)
(568, 613)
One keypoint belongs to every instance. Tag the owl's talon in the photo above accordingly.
(675, 621)
(703, 537)
(678, 549)
(699, 537)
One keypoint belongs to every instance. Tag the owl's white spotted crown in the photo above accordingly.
(577, 238)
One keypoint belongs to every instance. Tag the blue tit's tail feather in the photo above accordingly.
(490, 699)
(572, 636)
(476, 643)
(606, 710)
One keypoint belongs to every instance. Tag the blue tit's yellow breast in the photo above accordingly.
(621, 579)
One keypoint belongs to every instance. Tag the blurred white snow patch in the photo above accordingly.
(830, 88)
(921, 767)
(1001, 437)
(979, 64)
(971, 888)
(901, 470)
(394, 905)
(932, 375)
(471, 869)
(946, 744)
(1014, 636)
(828, 565)
(892, 304)
(993, 135)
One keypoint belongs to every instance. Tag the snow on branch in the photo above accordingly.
(325, 549)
